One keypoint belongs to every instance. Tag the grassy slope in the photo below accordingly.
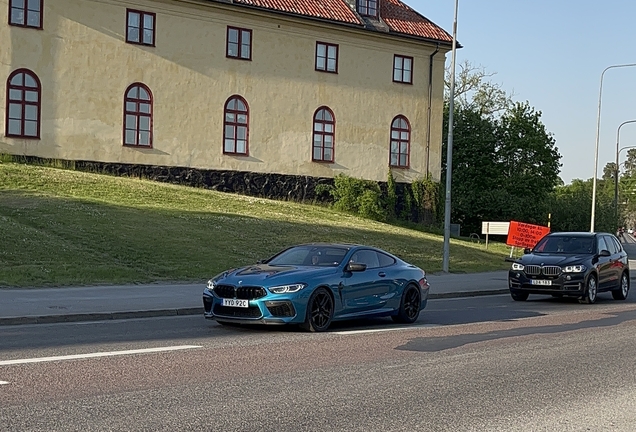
(61, 227)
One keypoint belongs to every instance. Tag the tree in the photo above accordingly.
(505, 163)
(571, 207)
(609, 171)
(473, 92)
(630, 163)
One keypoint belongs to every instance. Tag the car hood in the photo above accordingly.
(549, 259)
(267, 275)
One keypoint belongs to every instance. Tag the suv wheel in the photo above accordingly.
(591, 291)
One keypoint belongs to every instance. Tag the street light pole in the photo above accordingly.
(598, 129)
(449, 150)
(618, 138)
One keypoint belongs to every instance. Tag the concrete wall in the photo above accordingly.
(85, 66)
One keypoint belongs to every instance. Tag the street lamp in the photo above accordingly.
(598, 129)
(449, 151)
(618, 138)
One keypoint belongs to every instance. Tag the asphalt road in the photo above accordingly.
(473, 364)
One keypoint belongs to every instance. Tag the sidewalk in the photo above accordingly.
(54, 305)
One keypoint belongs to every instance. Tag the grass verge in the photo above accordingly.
(61, 227)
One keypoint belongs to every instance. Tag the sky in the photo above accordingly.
(552, 53)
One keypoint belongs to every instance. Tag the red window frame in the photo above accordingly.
(142, 27)
(19, 95)
(324, 131)
(325, 58)
(398, 71)
(239, 43)
(400, 144)
(26, 11)
(138, 109)
(368, 7)
(232, 125)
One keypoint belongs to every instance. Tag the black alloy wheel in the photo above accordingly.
(519, 296)
(623, 288)
(409, 306)
(319, 311)
(591, 291)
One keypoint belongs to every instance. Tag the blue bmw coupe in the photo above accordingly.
(316, 284)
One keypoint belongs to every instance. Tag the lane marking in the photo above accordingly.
(350, 332)
(4, 382)
(97, 354)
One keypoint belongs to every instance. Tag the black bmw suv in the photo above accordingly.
(574, 264)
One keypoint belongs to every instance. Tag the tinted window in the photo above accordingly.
(611, 246)
(562, 244)
(366, 256)
(619, 247)
(601, 244)
(385, 260)
(310, 255)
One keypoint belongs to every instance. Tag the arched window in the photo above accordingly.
(236, 126)
(400, 142)
(138, 116)
(324, 130)
(23, 105)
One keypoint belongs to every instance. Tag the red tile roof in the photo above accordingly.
(335, 10)
(402, 19)
(399, 17)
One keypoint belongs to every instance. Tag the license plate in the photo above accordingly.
(235, 303)
(541, 282)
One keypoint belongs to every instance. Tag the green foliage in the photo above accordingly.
(358, 196)
(503, 168)
(426, 197)
(571, 207)
(391, 195)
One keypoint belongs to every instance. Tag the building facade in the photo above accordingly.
(310, 87)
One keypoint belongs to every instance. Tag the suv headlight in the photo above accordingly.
(517, 267)
(574, 269)
(287, 289)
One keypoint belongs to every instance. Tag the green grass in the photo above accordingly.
(61, 227)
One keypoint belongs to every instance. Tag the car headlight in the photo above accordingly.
(286, 289)
(210, 285)
(574, 269)
(517, 267)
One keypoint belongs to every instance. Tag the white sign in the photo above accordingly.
(496, 228)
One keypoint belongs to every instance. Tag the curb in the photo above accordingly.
(99, 316)
(108, 316)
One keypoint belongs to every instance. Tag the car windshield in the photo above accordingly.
(565, 245)
(310, 255)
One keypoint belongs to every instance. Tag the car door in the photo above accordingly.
(618, 259)
(603, 264)
(366, 290)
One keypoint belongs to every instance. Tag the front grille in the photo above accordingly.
(234, 312)
(242, 292)
(535, 270)
(532, 270)
(551, 270)
(280, 308)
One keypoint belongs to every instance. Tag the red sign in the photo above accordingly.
(525, 235)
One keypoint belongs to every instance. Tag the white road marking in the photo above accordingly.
(350, 332)
(4, 382)
(97, 354)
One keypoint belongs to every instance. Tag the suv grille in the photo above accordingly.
(242, 292)
(535, 270)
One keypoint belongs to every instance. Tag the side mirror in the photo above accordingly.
(605, 253)
(356, 267)
(527, 250)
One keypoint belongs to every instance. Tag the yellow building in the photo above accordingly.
(303, 87)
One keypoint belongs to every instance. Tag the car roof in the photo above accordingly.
(577, 233)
